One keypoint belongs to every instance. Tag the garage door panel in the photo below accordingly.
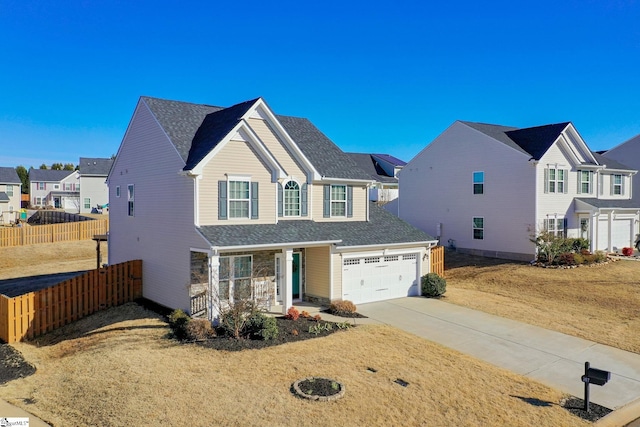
(371, 279)
(621, 234)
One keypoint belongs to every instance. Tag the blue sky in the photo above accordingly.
(375, 76)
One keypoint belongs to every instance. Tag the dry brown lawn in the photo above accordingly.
(599, 303)
(117, 368)
(49, 258)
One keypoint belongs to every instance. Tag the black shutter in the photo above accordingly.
(349, 201)
(280, 200)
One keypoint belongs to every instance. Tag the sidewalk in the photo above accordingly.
(7, 410)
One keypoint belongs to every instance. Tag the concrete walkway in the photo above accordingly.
(549, 357)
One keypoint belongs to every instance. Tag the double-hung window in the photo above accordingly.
(130, 199)
(291, 199)
(478, 183)
(9, 190)
(234, 277)
(555, 180)
(40, 185)
(338, 200)
(585, 182)
(239, 199)
(478, 228)
(87, 203)
(555, 226)
(616, 184)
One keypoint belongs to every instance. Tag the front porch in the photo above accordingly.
(274, 280)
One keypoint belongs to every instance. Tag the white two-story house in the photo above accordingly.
(10, 193)
(94, 194)
(488, 189)
(223, 200)
(58, 189)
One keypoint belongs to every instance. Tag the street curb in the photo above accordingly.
(622, 416)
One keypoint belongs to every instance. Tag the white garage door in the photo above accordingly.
(603, 235)
(368, 279)
(621, 234)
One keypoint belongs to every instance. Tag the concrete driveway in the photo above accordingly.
(549, 357)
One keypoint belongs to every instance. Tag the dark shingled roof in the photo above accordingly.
(3, 197)
(537, 140)
(326, 157)
(9, 176)
(391, 159)
(195, 129)
(611, 204)
(368, 164)
(610, 163)
(94, 166)
(533, 141)
(381, 229)
(48, 175)
(213, 129)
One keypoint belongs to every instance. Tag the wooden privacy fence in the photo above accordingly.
(29, 315)
(34, 234)
(437, 260)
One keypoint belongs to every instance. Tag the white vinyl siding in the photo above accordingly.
(158, 235)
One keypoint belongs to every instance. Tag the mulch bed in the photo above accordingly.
(575, 405)
(288, 331)
(319, 387)
(353, 315)
(13, 365)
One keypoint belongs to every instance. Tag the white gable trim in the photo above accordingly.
(243, 132)
(262, 111)
(573, 138)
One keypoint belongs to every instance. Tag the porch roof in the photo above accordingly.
(582, 204)
(382, 228)
(3, 197)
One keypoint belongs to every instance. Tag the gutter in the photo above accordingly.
(428, 243)
(276, 245)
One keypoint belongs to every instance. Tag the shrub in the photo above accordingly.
(600, 256)
(578, 259)
(567, 258)
(178, 321)
(262, 327)
(579, 244)
(342, 308)
(234, 318)
(292, 313)
(317, 318)
(585, 252)
(199, 330)
(305, 314)
(627, 251)
(433, 285)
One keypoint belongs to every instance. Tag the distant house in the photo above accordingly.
(628, 153)
(94, 192)
(383, 169)
(487, 189)
(238, 200)
(58, 189)
(10, 191)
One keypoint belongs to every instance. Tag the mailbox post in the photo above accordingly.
(593, 376)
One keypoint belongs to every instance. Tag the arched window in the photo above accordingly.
(291, 199)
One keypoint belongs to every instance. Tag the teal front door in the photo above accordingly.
(295, 270)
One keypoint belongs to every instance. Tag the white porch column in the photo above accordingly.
(287, 283)
(610, 234)
(213, 291)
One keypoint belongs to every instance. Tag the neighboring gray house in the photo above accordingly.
(58, 189)
(225, 201)
(383, 168)
(628, 153)
(487, 189)
(94, 193)
(10, 193)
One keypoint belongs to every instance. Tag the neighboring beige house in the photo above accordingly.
(10, 194)
(58, 189)
(94, 194)
(218, 199)
(487, 189)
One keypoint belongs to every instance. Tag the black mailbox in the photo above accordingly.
(596, 376)
(593, 376)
